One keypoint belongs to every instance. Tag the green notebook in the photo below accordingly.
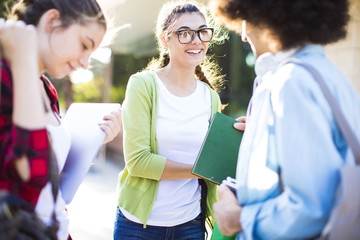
(218, 155)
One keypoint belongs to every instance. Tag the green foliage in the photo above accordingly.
(125, 65)
(117, 94)
(89, 91)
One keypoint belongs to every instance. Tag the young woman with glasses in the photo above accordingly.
(166, 115)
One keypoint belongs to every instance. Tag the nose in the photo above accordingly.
(84, 60)
(196, 39)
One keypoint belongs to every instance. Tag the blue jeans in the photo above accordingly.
(127, 230)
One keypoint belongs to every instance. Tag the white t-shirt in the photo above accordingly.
(61, 142)
(182, 123)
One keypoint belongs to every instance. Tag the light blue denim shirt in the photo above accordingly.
(290, 126)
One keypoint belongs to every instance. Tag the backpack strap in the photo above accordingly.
(343, 125)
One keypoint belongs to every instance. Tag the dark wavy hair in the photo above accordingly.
(79, 11)
(293, 22)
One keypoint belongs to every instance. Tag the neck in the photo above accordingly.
(180, 76)
(179, 81)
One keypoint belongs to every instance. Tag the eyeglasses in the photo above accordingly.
(187, 36)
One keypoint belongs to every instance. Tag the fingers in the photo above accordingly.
(17, 39)
(241, 119)
(241, 124)
(227, 212)
(226, 193)
(112, 125)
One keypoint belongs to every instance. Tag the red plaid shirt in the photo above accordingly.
(17, 142)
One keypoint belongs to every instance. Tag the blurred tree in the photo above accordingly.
(237, 90)
(89, 91)
(124, 66)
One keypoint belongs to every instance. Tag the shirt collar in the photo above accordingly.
(268, 62)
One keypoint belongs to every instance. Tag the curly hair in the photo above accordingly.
(293, 22)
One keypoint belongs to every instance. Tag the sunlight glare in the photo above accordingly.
(81, 76)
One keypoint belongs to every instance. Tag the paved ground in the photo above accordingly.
(92, 211)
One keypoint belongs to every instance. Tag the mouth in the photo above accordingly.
(71, 67)
(194, 51)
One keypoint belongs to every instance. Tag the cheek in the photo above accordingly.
(64, 47)
(58, 47)
(206, 47)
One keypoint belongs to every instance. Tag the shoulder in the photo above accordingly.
(142, 84)
(145, 77)
(214, 95)
(142, 80)
(215, 98)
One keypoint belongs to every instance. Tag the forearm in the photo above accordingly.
(28, 110)
(175, 170)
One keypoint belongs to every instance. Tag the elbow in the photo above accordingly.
(134, 166)
(133, 170)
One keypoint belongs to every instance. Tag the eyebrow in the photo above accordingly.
(92, 41)
(186, 27)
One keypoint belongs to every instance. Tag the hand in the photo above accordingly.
(227, 212)
(18, 41)
(241, 124)
(112, 125)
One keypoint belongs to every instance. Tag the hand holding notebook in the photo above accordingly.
(218, 155)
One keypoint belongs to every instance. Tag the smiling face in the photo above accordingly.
(189, 54)
(63, 50)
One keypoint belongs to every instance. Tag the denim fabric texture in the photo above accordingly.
(126, 229)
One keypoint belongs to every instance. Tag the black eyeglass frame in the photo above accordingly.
(194, 33)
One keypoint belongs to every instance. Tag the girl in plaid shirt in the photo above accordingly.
(56, 36)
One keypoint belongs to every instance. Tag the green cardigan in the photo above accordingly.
(139, 181)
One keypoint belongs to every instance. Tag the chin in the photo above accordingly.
(195, 63)
(56, 74)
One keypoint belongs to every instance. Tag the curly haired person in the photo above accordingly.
(291, 138)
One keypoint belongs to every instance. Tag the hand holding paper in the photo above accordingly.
(82, 121)
(111, 125)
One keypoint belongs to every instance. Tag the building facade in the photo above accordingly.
(346, 53)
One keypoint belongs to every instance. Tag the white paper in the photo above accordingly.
(82, 122)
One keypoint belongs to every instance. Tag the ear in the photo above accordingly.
(163, 41)
(243, 31)
(50, 20)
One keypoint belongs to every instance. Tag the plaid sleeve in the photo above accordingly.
(17, 142)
